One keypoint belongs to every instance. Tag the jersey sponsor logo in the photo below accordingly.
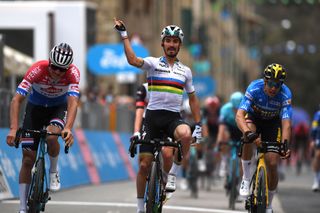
(33, 73)
(276, 103)
(162, 70)
(287, 102)
(51, 90)
(264, 113)
(162, 64)
(75, 73)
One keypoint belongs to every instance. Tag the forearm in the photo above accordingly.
(72, 112)
(195, 108)
(241, 122)
(14, 112)
(138, 119)
(130, 55)
(221, 137)
(286, 130)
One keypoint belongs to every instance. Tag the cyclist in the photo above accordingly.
(265, 109)
(167, 77)
(315, 135)
(145, 151)
(53, 86)
(228, 129)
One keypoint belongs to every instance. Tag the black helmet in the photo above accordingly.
(275, 72)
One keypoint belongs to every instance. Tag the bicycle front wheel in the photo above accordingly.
(154, 201)
(36, 191)
(261, 192)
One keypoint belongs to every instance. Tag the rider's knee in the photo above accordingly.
(144, 167)
(28, 162)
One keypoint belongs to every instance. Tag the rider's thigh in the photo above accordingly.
(28, 158)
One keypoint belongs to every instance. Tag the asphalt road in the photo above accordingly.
(294, 195)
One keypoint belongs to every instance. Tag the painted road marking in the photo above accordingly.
(178, 208)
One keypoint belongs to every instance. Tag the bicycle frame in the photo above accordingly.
(154, 192)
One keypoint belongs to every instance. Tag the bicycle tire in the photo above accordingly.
(154, 204)
(233, 186)
(35, 195)
(261, 192)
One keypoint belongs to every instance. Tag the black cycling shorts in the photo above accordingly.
(270, 130)
(159, 123)
(36, 117)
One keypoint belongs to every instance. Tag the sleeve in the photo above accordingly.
(286, 110)
(140, 97)
(74, 79)
(147, 63)
(189, 84)
(315, 125)
(247, 100)
(29, 78)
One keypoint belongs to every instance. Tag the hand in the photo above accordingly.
(67, 136)
(197, 133)
(136, 136)
(120, 27)
(286, 155)
(11, 137)
(250, 137)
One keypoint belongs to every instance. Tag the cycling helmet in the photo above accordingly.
(235, 99)
(172, 30)
(61, 56)
(275, 72)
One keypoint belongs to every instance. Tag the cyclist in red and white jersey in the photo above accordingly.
(167, 79)
(53, 88)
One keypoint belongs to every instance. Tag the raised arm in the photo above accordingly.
(130, 55)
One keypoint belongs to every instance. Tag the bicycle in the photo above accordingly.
(38, 194)
(233, 175)
(258, 199)
(155, 187)
(193, 172)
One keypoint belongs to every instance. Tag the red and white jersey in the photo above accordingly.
(46, 91)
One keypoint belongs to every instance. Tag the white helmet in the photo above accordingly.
(61, 55)
(172, 30)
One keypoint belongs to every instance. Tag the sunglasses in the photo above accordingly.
(54, 67)
(274, 84)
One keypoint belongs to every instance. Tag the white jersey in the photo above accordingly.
(166, 83)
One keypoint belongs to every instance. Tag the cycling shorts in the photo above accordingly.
(269, 130)
(159, 123)
(36, 117)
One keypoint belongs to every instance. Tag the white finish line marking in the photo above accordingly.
(178, 208)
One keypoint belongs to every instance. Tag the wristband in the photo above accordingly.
(123, 34)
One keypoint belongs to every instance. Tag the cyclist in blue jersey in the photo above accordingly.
(167, 79)
(315, 135)
(228, 129)
(265, 109)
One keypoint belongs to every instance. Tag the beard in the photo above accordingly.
(172, 52)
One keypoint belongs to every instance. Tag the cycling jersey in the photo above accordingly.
(166, 83)
(44, 90)
(259, 105)
(315, 133)
(227, 117)
(142, 97)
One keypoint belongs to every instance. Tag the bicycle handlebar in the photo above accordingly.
(42, 133)
(269, 146)
(158, 143)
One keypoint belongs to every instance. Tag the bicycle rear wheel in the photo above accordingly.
(261, 192)
(36, 190)
(233, 185)
(155, 199)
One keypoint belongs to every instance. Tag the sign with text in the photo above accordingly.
(109, 59)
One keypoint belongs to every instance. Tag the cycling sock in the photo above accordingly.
(246, 166)
(174, 169)
(23, 193)
(53, 164)
(270, 195)
(140, 202)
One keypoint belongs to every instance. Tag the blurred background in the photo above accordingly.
(227, 44)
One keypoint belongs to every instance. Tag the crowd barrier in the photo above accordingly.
(96, 157)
